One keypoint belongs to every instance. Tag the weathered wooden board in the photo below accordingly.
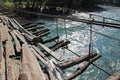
(2, 61)
(9, 66)
(83, 68)
(17, 43)
(55, 55)
(9, 44)
(34, 67)
(51, 68)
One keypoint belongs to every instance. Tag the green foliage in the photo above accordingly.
(9, 4)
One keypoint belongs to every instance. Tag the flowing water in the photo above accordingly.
(105, 41)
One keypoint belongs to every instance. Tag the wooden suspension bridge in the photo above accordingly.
(16, 40)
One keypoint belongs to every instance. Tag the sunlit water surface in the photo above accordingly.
(78, 34)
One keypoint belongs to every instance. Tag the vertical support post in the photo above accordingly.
(57, 27)
(103, 21)
(90, 43)
(65, 29)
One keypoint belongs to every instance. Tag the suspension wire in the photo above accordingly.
(65, 29)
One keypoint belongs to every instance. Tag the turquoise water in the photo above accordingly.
(78, 33)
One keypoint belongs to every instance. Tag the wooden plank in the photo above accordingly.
(60, 45)
(25, 73)
(4, 32)
(83, 68)
(2, 61)
(43, 55)
(76, 61)
(52, 46)
(17, 43)
(35, 69)
(9, 66)
(9, 44)
(51, 75)
(55, 55)
(13, 24)
(27, 23)
(43, 34)
(1, 52)
(41, 31)
(30, 26)
(19, 35)
(50, 39)
(52, 69)
(34, 28)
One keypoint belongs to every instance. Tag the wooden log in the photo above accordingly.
(9, 66)
(27, 23)
(31, 25)
(40, 31)
(33, 39)
(51, 75)
(17, 43)
(22, 29)
(51, 68)
(43, 55)
(60, 45)
(55, 55)
(76, 61)
(82, 69)
(9, 44)
(52, 46)
(50, 40)
(19, 35)
(25, 73)
(13, 24)
(34, 28)
(34, 67)
(4, 32)
(42, 34)
(1, 52)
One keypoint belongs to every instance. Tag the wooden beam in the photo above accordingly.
(50, 39)
(17, 43)
(9, 67)
(83, 68)
(34, 67)
(60, 45)
(30, 26)
(25, 73)
(1, 52)
(34, 28)
(76, 61)
(106, 24)
(27, 23)
(43, 34)
(52, 70)
(55, 55)
(52, 46)
(40, 31)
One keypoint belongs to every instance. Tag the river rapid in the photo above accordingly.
(105, 41)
